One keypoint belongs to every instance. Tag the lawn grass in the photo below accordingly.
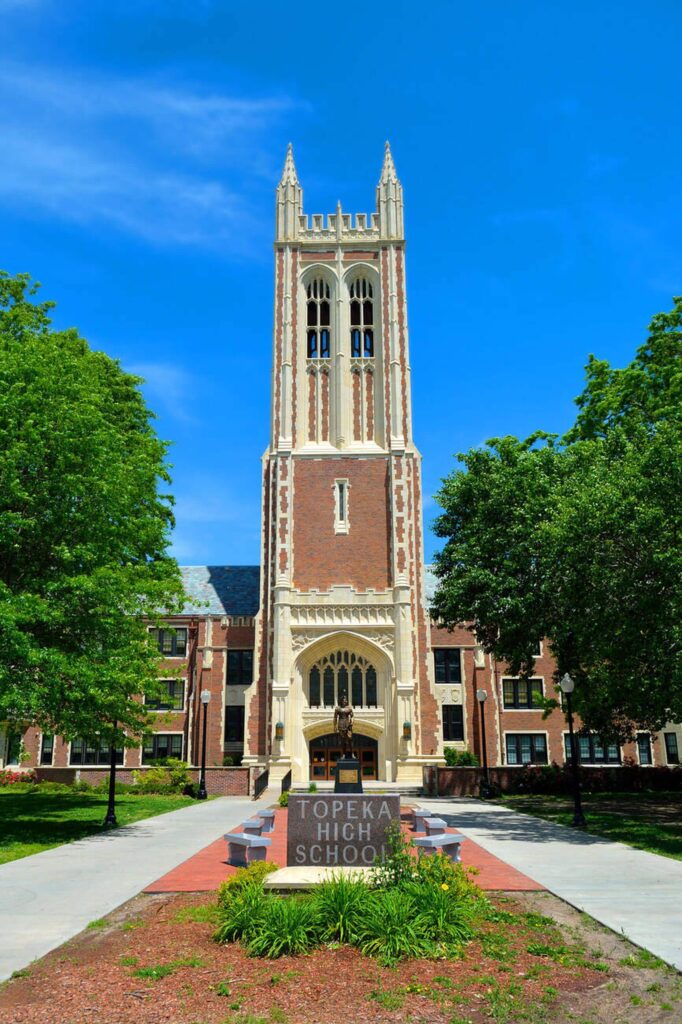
(647, 821)
(31, 820)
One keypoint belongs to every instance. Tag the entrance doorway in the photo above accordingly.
(325, 752)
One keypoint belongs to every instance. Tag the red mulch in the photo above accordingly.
(207, 869)
(85, 980)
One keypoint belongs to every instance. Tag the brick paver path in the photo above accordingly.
(207, 869)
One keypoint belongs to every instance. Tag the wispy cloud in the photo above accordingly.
(162, 161)
(170, 386)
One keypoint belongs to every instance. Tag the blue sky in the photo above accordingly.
(538, 145)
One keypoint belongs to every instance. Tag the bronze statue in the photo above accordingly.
(343, 726)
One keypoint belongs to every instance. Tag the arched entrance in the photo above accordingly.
(325, 752)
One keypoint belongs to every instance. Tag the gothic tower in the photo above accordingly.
(342, 602)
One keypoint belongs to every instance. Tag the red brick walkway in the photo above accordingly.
(207, 869)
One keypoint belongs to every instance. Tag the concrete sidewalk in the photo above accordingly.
(49, 897)
(630, 891)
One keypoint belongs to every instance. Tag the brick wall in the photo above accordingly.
(323, 558)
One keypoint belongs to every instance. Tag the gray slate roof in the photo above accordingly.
(221, 589)
(235, 589)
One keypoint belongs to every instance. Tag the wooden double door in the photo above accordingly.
(325, 752)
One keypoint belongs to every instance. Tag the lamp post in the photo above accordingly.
(486, 788)
(110, 818)
(202, 794)
(567, 685)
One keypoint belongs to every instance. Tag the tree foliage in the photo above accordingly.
(577, 539)
(84, 528)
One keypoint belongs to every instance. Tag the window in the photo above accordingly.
(341, 524)
(453, 722)
(644, 748)
(161, 745)
(46, 748)
(13, 747)
(672, 753)
(342, 674)
(172, 642)
(240, 668)
(234, 723)
(172, 697)
(318, 319)
(93, 752)
(522, 693)
(537, 649)
(448, 665)
(526, 748)
(361, 319)
(592, 749)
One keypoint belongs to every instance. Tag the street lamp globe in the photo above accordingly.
(205, 696)
(567, 683)
(481, 695)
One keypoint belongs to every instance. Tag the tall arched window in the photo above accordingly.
(342, 674)
(318, 319)
(361, 319)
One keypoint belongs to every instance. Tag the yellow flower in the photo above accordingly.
(445, 887)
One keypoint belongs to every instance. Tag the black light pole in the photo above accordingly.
(486, 788)
(202, 794)
(567, 686)
(110, 819)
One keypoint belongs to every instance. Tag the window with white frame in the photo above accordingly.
(170, 698)
(361, 319)
(525, 694)
(644, 748)
(95, 751)
(161, 745)
(342, 674)
(318, 319)
(672, 753)
(592, 749)
(526, 748)
(341, 521)
(172, 641)
(46, 748)
(453, 722)
(448, 665)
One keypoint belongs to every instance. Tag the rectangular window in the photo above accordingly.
(522, 693)
(448, 664)
(592, 749)
(92, 752)
(46, 748)
(161, 745)
(172, 642)
(172, 700)
(672, 754)
(644, 748)
(537, 649)
(234, 723)
(453, 722)
(239, 668)
(341, 524)
(526, 748)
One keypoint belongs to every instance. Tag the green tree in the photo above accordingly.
(84, 529)
(578, 540)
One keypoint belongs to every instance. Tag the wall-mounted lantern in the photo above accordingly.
(279, 730)
(407, 730)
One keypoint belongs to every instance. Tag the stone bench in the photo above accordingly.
(434, 826)
(268, 820)
(448, 843)
(418, 817)
(243, 849)
(253, 827)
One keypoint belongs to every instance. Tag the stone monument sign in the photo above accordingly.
(339, 829)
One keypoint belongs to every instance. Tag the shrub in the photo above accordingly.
(228, 761)
(172, 776)
(255, 874)
(283, 799)
(287, 926)
(241, 913)
(398, 865)
(340, 904)
(9, 777)
(460, 758)
(444, 919)
(312, 787)
(392, 929)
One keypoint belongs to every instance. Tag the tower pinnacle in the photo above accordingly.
(289, 175)
(390, 199)
(289, 200)
(388, 171)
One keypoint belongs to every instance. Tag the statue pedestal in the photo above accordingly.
(347, 777)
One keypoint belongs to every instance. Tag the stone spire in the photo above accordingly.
(390, 199)
(289, 206)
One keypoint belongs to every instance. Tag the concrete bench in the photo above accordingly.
(434, 826)
(268, 820)
(446, 842)
(253, 827)
(418, 817)
(243, 849)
